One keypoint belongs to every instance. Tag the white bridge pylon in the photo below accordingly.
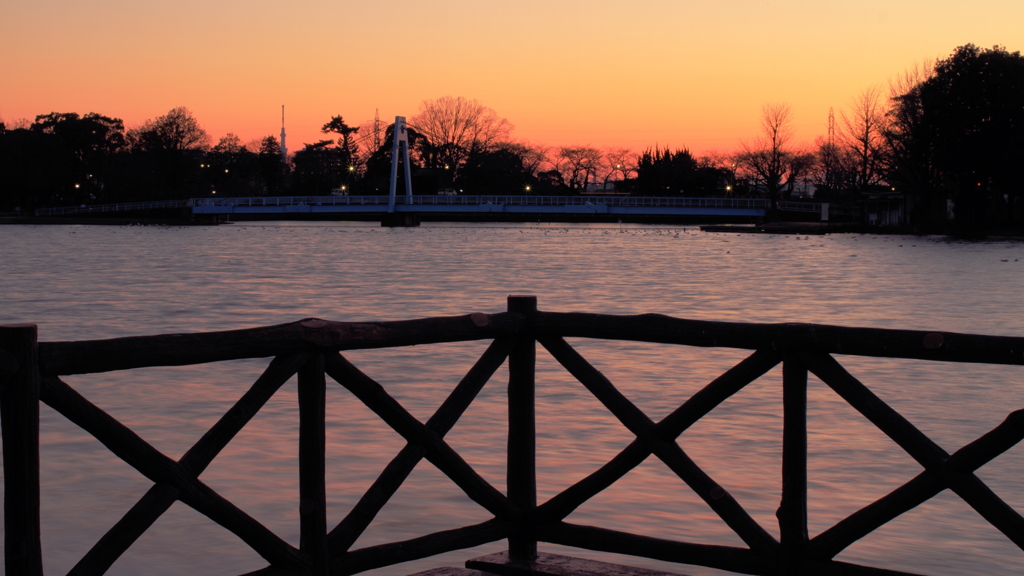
(401, 137)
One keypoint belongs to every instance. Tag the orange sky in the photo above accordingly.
(564, 72)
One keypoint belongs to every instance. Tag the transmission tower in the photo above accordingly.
(371, 135)
(831, 127)
(830, 152)
(378, 130)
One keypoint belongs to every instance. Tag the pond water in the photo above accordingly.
(93, 282)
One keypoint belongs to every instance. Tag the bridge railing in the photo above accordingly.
(102, 208)
(31, 371)
(833, 208)
(443, 200)
(425, 200)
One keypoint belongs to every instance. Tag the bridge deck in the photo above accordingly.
(610, 205)
(483, 204)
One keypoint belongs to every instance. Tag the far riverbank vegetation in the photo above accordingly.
(942, 144)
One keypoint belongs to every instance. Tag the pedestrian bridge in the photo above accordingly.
(615, 205)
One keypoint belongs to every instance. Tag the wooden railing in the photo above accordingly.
(312, 349)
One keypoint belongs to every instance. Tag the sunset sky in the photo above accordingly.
(564, 72)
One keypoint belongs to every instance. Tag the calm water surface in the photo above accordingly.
(91, 282)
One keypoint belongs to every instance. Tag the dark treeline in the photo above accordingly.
(946, 140)
(945, 143)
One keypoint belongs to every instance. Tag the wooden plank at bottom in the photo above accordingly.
(556, 565)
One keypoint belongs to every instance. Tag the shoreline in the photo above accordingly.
(66, 220)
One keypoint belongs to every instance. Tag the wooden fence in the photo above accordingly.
(30, 371)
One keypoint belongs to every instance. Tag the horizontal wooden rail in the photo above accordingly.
(309, 335)
(311, 348)
(879, 342)
(312, 334)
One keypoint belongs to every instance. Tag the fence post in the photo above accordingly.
(793, 509)
(521, 472)
(312, 488)
(19, 418)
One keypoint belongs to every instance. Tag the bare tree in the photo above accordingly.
(456, 127)
(580, 164)
(767, 158)
(801, 166)
(620, 163)
(863, 135)
(835, 166)
(19, 124)
(254, 145)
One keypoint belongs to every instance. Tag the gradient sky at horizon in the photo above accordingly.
(564, 72)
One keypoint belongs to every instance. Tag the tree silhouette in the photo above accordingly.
(87, 146)
(457, 127)
(177, 130)
(33, 170)
(667, 173)
(619, 163)
(768, 157)
(167, 157)
(499, 172)
(863, 136)
(960, 133)
(909, 150)
(318, 168)
(579, 166)
(346, 142)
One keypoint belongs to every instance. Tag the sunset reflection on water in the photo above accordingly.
(121, 281)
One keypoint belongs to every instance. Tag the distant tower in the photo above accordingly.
(830, 154)
(831, 127)
(284, 147)
(378, 131)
